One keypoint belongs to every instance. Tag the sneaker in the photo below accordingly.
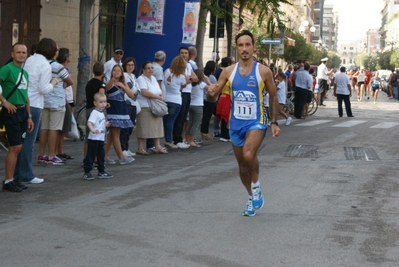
(42, 159)
(54, 160)
(182, 145)
(36, 180)
(126, 160)
(128, 153)
(109, 161)
(131, 153)
(288, 121)
(257, 198)
(88, 176)
(20, 185)
(11, 187)
(249, 210)
(224, 139)
(104, 175)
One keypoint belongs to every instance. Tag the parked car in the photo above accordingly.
(384, 74)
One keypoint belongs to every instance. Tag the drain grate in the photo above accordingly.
(360, 153)
(301, 151)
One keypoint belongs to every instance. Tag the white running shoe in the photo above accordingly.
(128, 153)
(182, 145)
(36, 180)
(288, 121)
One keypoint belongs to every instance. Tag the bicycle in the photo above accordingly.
(290, 100)
(81, 120)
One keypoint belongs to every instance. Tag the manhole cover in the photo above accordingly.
(301, 151)
(360, 153)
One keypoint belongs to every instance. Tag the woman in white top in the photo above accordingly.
(175, 80)
(129, 67)
(148, 125)
(361, 77)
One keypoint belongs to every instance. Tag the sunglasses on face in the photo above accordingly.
(119, 53)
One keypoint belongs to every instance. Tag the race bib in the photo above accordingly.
(245, 110)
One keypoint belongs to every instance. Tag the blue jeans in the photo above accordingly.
(395, 92)
(169, 120)
(23, 170)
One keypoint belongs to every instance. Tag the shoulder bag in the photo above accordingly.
(3, 110)
(158, 107)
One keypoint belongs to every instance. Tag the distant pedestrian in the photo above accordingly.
(281, 94)
(343, 92)
(115, 60)
(322, 77)
(97, 124)
(17, 116)
(375, 86)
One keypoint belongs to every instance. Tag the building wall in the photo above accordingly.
(59, 20)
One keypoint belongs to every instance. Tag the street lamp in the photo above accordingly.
(302, 29)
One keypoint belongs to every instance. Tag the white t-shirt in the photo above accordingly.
(97, 119)
(173, 93)
(322, 71)
(281, 92)
(158, 74)
(197, 95)
(342, 81)
(188, 72)
(361, 77)
(39, 71)
(130, 79)
(150, 85)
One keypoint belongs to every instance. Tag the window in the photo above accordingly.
(112, 21)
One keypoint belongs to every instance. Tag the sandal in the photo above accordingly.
(142, 152)
(193, 144)
(160, 151)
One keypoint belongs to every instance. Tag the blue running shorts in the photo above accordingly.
(237, 137)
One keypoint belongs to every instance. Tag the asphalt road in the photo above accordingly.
(330, 184)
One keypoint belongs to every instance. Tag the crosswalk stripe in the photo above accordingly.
(349, 123)
(385, 125)
(312, 123)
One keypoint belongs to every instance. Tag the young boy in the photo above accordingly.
(95, 140)
(93, 86)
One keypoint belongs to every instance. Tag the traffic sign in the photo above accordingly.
(270, 41)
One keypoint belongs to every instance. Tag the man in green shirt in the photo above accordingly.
(17, 116)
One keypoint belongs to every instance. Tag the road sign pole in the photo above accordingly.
(270, 53)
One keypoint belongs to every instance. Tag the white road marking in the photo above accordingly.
(311, 123)
(385, 125)
(349, 123)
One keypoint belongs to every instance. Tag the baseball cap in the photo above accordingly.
(118, 49)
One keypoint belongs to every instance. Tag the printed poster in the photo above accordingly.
(190, 22)
(150, 16)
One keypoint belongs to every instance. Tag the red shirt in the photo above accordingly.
(368, 77)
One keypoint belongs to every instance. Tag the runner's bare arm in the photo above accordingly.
(215, 89)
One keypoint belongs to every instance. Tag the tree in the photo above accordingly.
(267, 11)
(84, 43)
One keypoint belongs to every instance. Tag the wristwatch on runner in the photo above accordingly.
(274, 122)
